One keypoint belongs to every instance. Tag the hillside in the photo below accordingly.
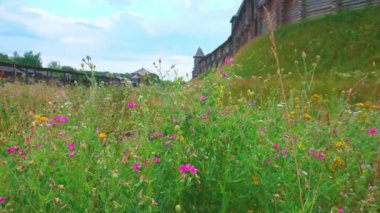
(347, 43)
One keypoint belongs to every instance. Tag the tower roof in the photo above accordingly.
(199, 53)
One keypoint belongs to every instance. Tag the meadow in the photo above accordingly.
(283, 143)
(186, 148)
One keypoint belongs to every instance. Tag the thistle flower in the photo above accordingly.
(372, 131)
(172, 136)
(188, 168)
(12, 149)
(276, 146)
(62, 119)
(156, 160)
(132, 104)
(71, 146)
(3, 199)
(312, 152)
(202, 98)
(229, 60)
(136, 167)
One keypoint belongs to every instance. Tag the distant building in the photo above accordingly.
(199, 55)
(143, 76)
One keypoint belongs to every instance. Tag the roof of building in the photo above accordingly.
(141, 72)
(199, 53)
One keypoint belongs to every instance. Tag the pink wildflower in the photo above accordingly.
(284, 152)
(146, 163)
(267, 160)
(311, 151)
(202, 98)
(72, 153)
(166, 143)
(335, 132)
(132, 104)
(172, 136)
(159, 134)
(276, 157)
(340, 210)
(71, 146)
(193, 170)
(182, 168)
(227, 108)
(21, 152)
(151, 135)
(220, 71)
(298, 173)
(52, 163)
(156, 160)
(294, 139)
(229, 60)
(320, 155)
(53, 123)
(188, 168)
(276, 146)
(37, 146)
(224, 74)
(12, 149)
(62, 119)
(203, 116)
(3, 199)
(372, 131)
(136, 167)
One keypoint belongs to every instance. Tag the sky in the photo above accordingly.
(121, 36)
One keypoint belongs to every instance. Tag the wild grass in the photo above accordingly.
(240, 146)
(220, 144)
(343, 47)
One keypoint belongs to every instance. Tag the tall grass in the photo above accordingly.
(206, 146)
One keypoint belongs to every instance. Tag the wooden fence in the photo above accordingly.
(13, 73)
(250, 22)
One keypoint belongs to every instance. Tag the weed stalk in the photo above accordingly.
(275, 55)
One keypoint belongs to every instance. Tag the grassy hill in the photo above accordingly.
(347, 45)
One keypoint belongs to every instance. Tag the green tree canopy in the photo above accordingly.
(28, 59)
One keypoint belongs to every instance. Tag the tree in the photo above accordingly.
(5, 58)
(68, 68)
(28, 59)
(54, 65)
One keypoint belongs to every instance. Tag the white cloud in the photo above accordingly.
(130, 35)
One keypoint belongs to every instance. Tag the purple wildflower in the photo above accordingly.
(136, 167)
(3, 199)
(372, 131)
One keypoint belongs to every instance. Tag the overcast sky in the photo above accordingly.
(120, 35)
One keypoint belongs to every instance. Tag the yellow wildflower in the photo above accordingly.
(102, 135)
(37, 118)
(338, 161)
(255, 180)
(340, 145)
(315, 99)
(360, 105)
(306, 116)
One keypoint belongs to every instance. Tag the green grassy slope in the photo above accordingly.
(346, 42)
